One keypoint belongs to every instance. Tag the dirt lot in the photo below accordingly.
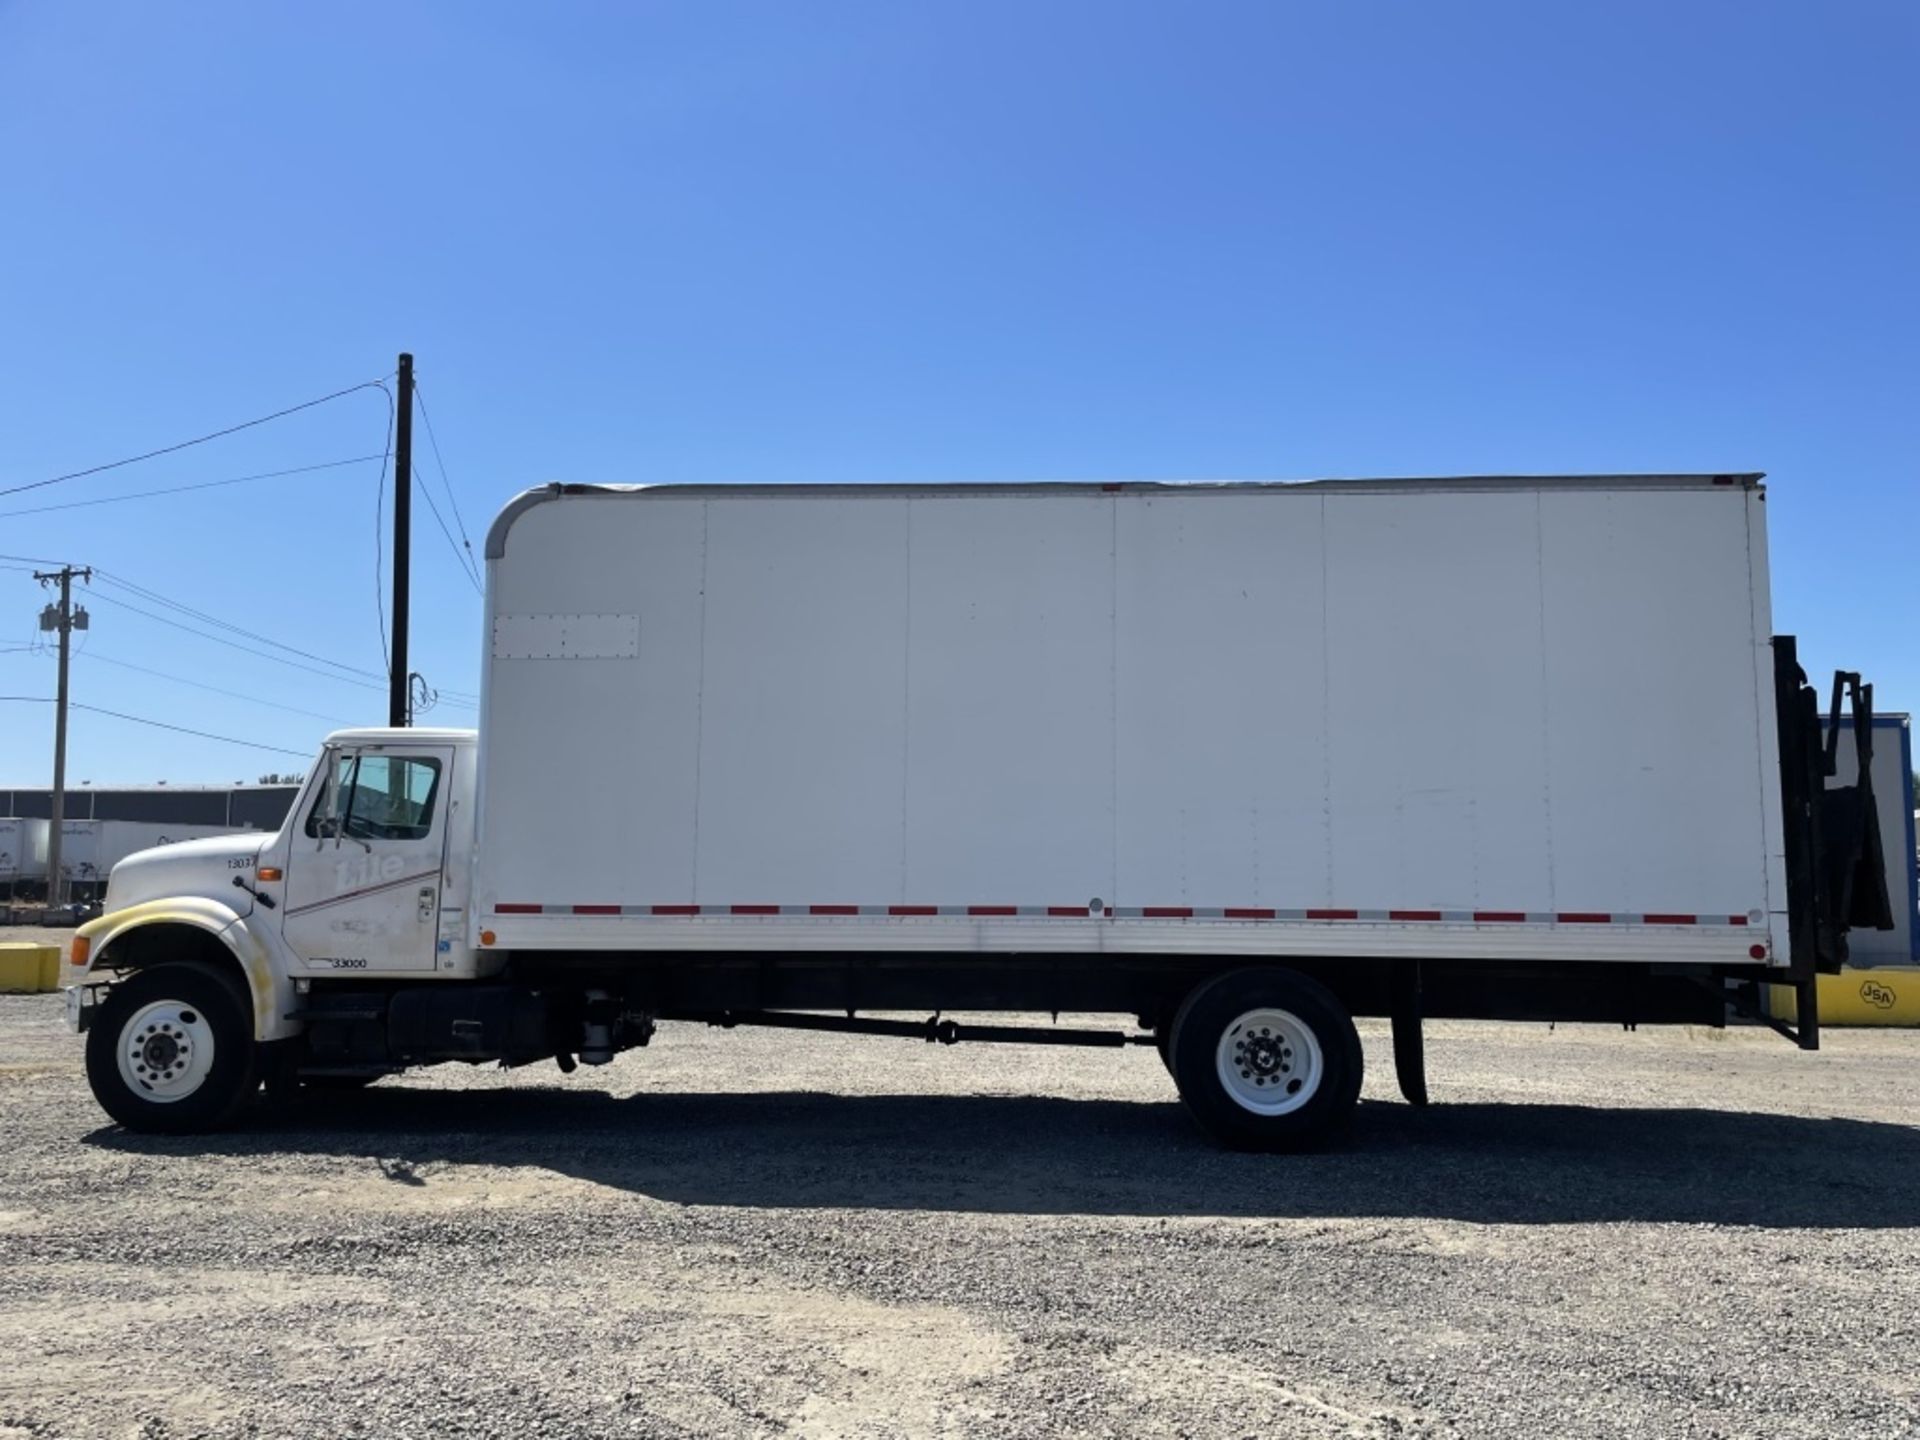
(751, 1233)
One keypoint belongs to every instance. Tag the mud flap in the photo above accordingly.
(1409, 1043)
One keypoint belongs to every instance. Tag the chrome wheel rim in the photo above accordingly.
(1269, 1062)
(166, 1051)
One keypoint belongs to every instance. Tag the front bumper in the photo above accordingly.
(82, 1001)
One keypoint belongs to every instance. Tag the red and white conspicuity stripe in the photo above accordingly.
(1142, 912)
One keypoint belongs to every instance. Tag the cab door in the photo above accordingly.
(366, 867)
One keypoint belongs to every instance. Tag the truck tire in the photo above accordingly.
(1267, 1059)
(171, 1050)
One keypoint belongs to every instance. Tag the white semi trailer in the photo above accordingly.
(23, 849)
(1238, 761)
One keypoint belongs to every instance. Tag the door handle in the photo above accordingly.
(426, 902)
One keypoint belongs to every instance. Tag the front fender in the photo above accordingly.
(252, 951)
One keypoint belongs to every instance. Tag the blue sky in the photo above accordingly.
(713, 242)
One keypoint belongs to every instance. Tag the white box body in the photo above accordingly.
(1501, 719)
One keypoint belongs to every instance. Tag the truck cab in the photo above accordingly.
(367, 878)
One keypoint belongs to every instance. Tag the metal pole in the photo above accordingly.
(57, 809)
(402, 543)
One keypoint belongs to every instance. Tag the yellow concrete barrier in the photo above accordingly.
(26, 967)
(1882, 995)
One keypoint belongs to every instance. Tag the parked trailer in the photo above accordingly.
(1239, 761)
(23, 849)
(89, 849)
(1892, 762)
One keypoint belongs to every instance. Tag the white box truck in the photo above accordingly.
(1238, 761)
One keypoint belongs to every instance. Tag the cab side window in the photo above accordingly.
(379, 797)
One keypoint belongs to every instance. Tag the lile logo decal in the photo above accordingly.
(364, 873)
(1877, 994)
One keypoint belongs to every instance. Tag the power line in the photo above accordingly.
(186, 730)
(217, 690)
(156, 598)
(466, 573)
(379, 545)
(447, 485)
(182, 489)
(159, 724)
(222, 640)
(188, 444)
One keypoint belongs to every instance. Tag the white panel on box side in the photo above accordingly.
(1010, 746)
(802, 747)
(1430, 711)
(1654, 730)
(591, 765)
(1437, 788)
(1222, 759)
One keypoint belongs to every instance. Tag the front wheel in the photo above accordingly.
(1267, 1059)
(171, 1050)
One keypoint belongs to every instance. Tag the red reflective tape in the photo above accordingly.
(755, 909)
(992, 910)
(1583, 917)
(1333, 914)
(1671, 919)
(913, 909)
(1501, 917)
(596, 909)
(1071, 910)
(1167, 912)
(1414, 915)
(1241, 912)
(833, 909)
(1736, 919)
(676, 909)
(516, 909)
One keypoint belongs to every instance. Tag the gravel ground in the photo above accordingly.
(750, 1233)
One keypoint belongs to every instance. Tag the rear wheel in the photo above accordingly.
(171, 1050)
(1266, 1059)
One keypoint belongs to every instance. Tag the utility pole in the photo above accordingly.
(402, 542)
(66, 620)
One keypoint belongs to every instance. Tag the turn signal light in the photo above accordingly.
(78, 954)
(486, 937)
(268, 872)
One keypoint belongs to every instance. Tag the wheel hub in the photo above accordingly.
(1269, 1061)
(166, 1050)
(1263, 1057)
